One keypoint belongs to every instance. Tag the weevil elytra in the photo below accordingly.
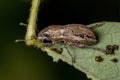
(75, 34)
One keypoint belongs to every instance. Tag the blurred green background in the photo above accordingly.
(19, 62)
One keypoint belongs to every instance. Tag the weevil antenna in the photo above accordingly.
(20, 40)
(99, 24)
(66, 47)
(23, 24)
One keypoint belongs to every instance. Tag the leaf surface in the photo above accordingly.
(107, 34)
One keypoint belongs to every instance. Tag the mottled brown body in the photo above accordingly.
(75, 34)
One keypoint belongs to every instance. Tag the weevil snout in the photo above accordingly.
(44, 37)
(41, 38)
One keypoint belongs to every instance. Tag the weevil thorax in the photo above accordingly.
(49, 33)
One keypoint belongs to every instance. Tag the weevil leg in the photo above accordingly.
(98, 49)
(73, 59)
(92, 47)
(108, 50)
(99, 24)
(48, 44)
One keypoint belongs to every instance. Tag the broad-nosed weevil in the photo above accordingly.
(75, 34)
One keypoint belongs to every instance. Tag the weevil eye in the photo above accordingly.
(82, 36)
(46, 35)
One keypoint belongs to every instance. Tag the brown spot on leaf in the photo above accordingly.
(115, 60)
(57, 50)
(99, 58)
(110, 49)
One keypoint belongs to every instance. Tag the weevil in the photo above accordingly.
(74, 34)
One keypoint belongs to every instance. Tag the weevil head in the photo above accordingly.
(47, 33)
(43, 36)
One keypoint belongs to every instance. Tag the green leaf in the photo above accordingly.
(107, 34)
